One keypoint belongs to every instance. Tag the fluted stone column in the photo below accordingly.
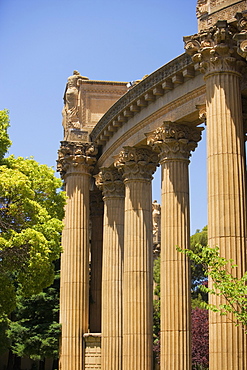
(221, 64)
(111, 183)
(75, 163)
(174, 143)
(96, 217)
(137, 167)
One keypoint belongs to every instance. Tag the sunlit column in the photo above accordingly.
(111, 184)
(137, 167)
(222, 65)
(174, 143)
(75, 164)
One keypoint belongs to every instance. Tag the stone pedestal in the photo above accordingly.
(110, 182)
(95, 291)
(137, 167)
(75, 163)
(92, 351)
(175, 142)
(226, 180)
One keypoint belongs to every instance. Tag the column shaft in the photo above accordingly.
(74, 299)
(110, 182)
(137, 297)
(112, 334)
(175, 142)
(175, 268)
(75, 164)
(96, 213)
(137, 166)
(226, 206)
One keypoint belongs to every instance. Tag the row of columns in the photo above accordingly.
(127, 268)
(219, 58)
(127, 237)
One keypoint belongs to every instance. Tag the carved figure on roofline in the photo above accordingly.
(71, 119)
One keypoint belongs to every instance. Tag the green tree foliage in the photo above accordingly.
(223, 274)
(197, 272)
(4, 138)
(35, 331)
(198, 298)
(31, 212)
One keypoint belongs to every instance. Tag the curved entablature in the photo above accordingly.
(163, 79)
(175, 92)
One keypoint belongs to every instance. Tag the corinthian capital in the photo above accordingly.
(241, 37)
(215, 49)
(76, 158)
(174, 141)
(137, 163)
(110, 182)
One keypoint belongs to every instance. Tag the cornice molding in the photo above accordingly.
(164, 79)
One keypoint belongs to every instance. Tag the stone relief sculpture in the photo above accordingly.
(71, 116)
(202, 7)
(156, 214)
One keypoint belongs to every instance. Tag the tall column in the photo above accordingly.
(96, 217)
(137, 166)
(174, 143)
(75, 163)
(221, 64)
(110, 181)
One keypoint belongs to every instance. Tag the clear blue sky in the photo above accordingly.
(43, 41)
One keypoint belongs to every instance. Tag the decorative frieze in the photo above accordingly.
(174, 141)
(137, 163)
(75, 158)
(241, 37)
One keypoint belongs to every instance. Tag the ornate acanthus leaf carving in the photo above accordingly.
(137, 163)
(241, 37)
(76, 157)
(215, 49)
(174, 141)
(110, 182)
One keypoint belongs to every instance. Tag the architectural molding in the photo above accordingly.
(137, 163)
(110, 181)
(174, 141)
(76, 158)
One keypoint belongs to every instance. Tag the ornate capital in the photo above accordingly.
(215, 49)
(241, 37)
(110, 181)
(76, 158)
(137, 163)
(174, 141)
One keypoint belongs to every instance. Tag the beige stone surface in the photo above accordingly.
(210, 11)
(85, 102)
(176, 92)
(75, 162)
(174, 143)
(226, 180)
(92, 351)
(137, 167)
(96, 250)
(111, 183)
